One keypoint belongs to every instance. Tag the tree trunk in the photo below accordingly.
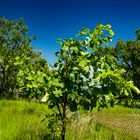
(63, 130)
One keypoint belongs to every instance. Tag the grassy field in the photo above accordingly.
(118, 123)
(21, 120)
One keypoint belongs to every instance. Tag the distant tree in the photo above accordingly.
(16, 55)
(138, 34)
(128, 56)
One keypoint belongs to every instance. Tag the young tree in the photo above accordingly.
(82, 77)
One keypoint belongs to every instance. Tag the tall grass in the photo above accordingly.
(22, 120)
(118, 123)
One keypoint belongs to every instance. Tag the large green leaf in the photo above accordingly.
(57, 93)
(45, 98)
(111, 32)
(135, 89)
(82, 63)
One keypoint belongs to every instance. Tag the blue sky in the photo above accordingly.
(52, 19)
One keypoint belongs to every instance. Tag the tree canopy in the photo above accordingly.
(128, 56)
(84, 78)
(18, 60)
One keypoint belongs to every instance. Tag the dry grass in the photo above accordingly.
(125, 122)
(119, 123)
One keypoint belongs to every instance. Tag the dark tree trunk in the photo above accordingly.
(63, 130)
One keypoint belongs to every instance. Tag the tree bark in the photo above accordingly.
(63, 130)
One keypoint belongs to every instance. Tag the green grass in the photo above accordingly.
(22, 120)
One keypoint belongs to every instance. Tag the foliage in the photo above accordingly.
(129, 58)
(85, 75)
(21, 120)
(18, 60)
(30, 79)
(83, 78)
(126, 56)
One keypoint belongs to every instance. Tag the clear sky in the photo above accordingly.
(52, 19)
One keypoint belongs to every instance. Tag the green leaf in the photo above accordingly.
(111, 32)
(96, 31)
(82, 64)
(1, 59)
(72, 75)
(135, 89)
(75, 68)
(33, 72)
(59, 41)
(107, 26)
(126, 92)
(6, 68)
(20, 73)
(57, 53)
(29, 86)
(45, 98)
(97, 79)
(21, 83)
(86, 68)
(17, 58)
(35, 85)
(18, 63)
(57, 93)
(30, 78)
(100, 26)
(65, 47)
(84, 53)
(74, 48)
